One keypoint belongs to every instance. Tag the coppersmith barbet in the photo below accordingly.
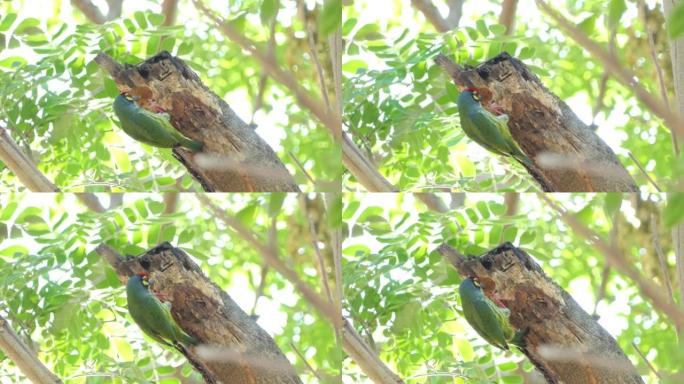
(152, 316)
(489, 320)
(490, 131)
(148, 127)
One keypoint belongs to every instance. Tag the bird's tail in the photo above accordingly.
(194, 145)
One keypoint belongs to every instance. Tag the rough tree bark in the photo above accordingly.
(568, 156)
(23, 357)
(22, 166)
(240, 352)
(235, 158)
(564, 342)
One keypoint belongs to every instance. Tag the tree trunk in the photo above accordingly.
(234, 158)
(563, 341)
(568, 156)
(234, 349)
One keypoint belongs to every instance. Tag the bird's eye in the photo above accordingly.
(476, 96)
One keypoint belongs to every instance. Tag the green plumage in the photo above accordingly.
(489, 320)
(150, 128)
(152, 316)
(490, 131)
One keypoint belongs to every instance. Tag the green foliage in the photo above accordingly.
(401, 296)
(675, 24)
(56, 101)
(64, 299)
(400, 107)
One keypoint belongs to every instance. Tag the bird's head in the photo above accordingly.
(129, 97)
(474, 92)
(474, 280)
(144, 277)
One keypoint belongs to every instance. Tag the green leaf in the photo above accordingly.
(675, 209)
(129, 25)
(369, 32)
(526, 53)
(28, 26)
(615, 10)
(482, 27)
(155, 19)
(8, 211)
(498, 29)
(167, 44)
(275, 202)
(7, 21)
(331, 17)
(247, 215)
(268, 11)
(675, 23)
(349, 25)
(184, 49)
(334, 211)
(140, 18)
(153, 45)
(612, 202)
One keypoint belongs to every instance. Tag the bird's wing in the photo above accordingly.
(485, 322)
(500, 137)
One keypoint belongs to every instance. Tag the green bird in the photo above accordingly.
(150, 128)
(490, 131)
(152, 316)
(489, 320)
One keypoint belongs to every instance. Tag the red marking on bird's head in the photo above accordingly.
(471, 90)
(143, 274)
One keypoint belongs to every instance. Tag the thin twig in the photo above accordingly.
(658, 69)
(661, 256)
(260, 288)
(301, 356)
(605, 273)
(259, 100)
(678, 245)
(643, 357)
(672, 120)
(268, 63)
(314, 242)
(603, 83)
(641, 168)
(618, 260)
(271, 257)
(308, 27)
(301, 168)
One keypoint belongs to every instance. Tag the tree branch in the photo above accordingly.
(22, 167)
(93, 13)
(23, 357)
(673, 120)
(567, 155)
(432, 14)
(234, 157)
(233, 349)
(352, 343)
(562, 341)
(617, 259)
(507, 16)
(352, 157)
(169, 10)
